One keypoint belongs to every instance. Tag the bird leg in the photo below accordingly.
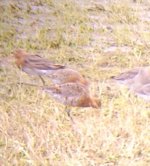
(42, 80)
(68, 113)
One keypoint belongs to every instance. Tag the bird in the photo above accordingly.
(66, 75)
(73, 94)
(135, 76)
(126, 77)
(34, 64)
(137, 80)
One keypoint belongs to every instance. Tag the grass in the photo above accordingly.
(34, 128)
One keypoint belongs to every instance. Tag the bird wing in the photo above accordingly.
(37, 62)
(67, 90)
(127, 75)
(73, 89)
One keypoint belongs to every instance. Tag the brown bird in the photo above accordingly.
(73, 94)
(59, 74)
(66, 75)
(34, 64)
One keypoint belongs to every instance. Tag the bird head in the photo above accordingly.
(19, 55)
(87, 101)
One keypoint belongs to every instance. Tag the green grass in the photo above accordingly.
(122, 12)
(34, 128)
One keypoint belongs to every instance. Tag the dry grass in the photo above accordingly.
(34, 128)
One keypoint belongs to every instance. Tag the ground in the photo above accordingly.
(100, 39)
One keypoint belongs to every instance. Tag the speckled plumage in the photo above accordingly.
(73, 94)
